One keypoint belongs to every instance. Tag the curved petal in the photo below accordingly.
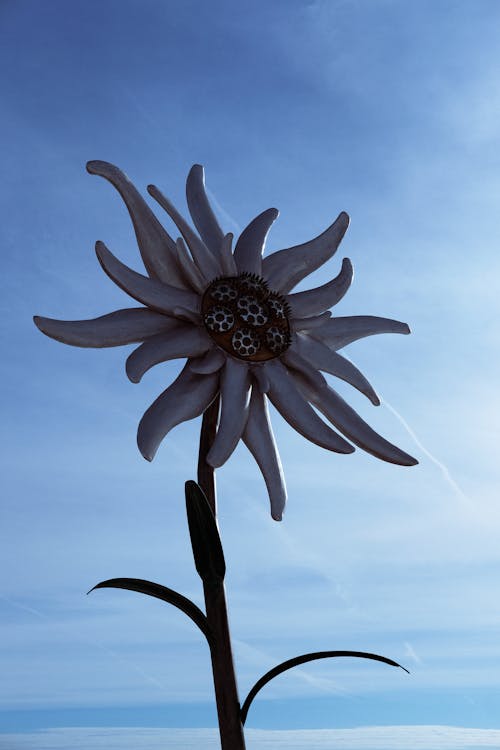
(212, 361)
(184, 341)
(252, 241)
(153, 293)
(235, 397)
(260, 375)
(285, 268)
(286, 397)
(115, 329)
(206, 262)
(226, 256)
(343, 416)
(315, 301)
(188, 397)
(201, 210)
(323, 358)
(189, 269)
(339, 332)
(259, 439)
(306, 324)
(156, 246)
(294, 361)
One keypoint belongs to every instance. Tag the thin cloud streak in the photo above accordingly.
(88, 641)
(441, 466)
(223, 212)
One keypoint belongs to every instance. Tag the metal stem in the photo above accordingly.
(226, 690)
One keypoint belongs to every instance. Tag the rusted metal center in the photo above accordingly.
(246, 319)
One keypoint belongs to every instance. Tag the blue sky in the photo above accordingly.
(387, 109)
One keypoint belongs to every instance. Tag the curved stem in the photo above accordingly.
(226, 690)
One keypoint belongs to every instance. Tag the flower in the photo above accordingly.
(245, 335)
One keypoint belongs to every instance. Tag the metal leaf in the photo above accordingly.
(165, 594)
(205, 540)
(302, 660)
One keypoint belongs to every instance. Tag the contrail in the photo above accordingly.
(441, 466)
(89, 641)
(222, 211)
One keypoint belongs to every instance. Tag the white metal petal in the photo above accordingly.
(294, 361)
(206, 262)
(184, 341)
(288, 400)
(201, 210)
(235, 398)
(153, 293)
(285, 268)
(320, 356)
(260, 375)
(252, 241)
(316, 301)
(306, 324)
(185, 399)
(156, 246)
(342, 416)
(226, 256)
(339, 332)
(189, 270)
(212, 361)
(126, 326)
(259, 439)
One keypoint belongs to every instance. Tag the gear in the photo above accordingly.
(223, 291)
(277, 340)
(245, 342)
(252, 311)
(219, 319)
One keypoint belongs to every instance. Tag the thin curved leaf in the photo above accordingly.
(302, 660)
(165, 594)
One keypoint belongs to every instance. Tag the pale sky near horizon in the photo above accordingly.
(387, 109)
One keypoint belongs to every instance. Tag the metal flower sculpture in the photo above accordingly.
(246, 336)
(247, 339)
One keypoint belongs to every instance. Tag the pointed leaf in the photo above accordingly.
(205, 540)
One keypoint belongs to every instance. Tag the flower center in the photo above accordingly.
(246, 319)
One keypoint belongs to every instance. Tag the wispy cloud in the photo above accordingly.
(441, 466)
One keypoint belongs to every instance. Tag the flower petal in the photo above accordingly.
(260, 375)
(153, 293)
(156, 246)
(188, 397)
(252, 241)
(201, 210)
(306, 324)
(206, 262)
(235, 397)
(115, 329)
(285, 268)
(189, 270)
(315, 301)
(183, 341)
(259, 439)
(320, 356)
(340, 414)
(339, 332)
(210, 362)
(286, 397)
(294, 361)
(226, 256)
